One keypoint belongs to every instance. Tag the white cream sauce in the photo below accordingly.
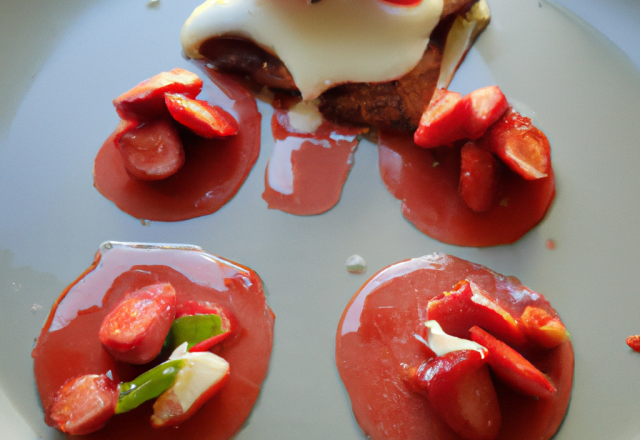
(326, 43)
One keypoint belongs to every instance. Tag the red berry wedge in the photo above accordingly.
(451, 118)
(634, 342)
(84, 404)
(468, 305)
(540, 327)
(200, 117)
(152, 150)
(201, 324)
(439, 124)
(146, 100)
(135, 330)
(459, 388)
(202, 376)
(520, 145)
(478, 177)
(512, 368)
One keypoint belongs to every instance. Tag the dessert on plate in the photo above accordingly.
(155, 342)
(440, 348)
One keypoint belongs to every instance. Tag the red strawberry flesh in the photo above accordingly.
(135, 330)
(84, 404)
(512, 368)
(146, 100)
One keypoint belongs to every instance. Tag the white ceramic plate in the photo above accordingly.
(61, 64)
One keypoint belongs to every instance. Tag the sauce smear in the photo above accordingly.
(213, 172)
(68, 345)
(307, 171)
(375, 341)
(427, 180)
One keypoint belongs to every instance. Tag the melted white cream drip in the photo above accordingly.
(325, 43)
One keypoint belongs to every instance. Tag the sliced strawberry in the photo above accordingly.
(206, 333)
(439, 124)
(459, 388)
(482, 108)
(200, 117)
(84, 404)
(478, 177)
(542, 328)
(468, 305)
(520, 145)
(450, 118)
(512, 368)
(152, 150)
(202, 376)
(135, 330)
(146, 100)
(634, 342)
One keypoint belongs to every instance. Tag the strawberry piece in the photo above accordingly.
(459, 388)
(146, 100)
(520, 145)
(450, 118)
(135, 330)
(468, 305)
(85, 404)
(203, 375)
(542, 328)
(482, 108)
(512, 368)
(151, 151)
(200, 117)
(634, 342)
(191, 308)
(439, 124)
(478, 177)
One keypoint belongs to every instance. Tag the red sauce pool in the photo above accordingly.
(426, 180)
(375, 339)
(310, 168)
(213, 172)
(68, 345)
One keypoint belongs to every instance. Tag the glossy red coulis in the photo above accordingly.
(68, 345)
(318, 164)
(427, 180)
(375, 341)
(213, 172)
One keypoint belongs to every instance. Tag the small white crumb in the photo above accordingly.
(356, 264)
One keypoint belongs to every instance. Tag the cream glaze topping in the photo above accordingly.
(326, 43)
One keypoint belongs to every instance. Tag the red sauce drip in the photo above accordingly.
(426, 180)
(213, 172)
(375, 339)
(320, 166)
(68, 345)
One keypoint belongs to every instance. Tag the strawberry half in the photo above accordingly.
(450, 118)
(468, 305)
(135, 330)
(542, 328)
(512, 368)
(84, 404)
(478, 177)
(200, 117)
(202, 376)
(634, 342)
(439, 124)
(146, 100)
(459, 388)
(520, 145)
(152, 150)
(203, 308)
